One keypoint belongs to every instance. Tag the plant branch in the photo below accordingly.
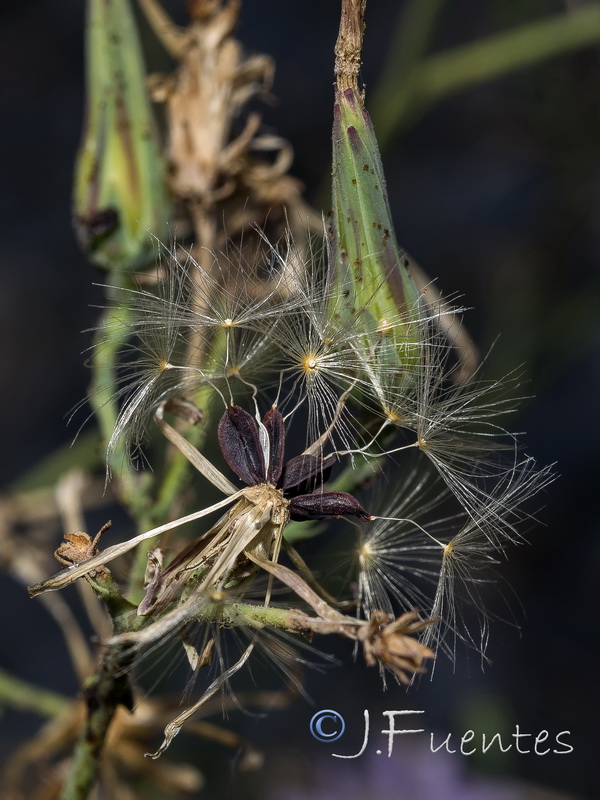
(25, 696)
(348, 48)
(402, 99)
(103, 693)
(103, 399)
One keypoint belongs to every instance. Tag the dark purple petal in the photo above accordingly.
(273, 422)
(302, 469)
(326, 504)
(240, 444)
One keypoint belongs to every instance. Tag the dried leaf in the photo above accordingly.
(71, 574)
(175, 726)
(194, 456)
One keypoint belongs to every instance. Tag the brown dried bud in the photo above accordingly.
(390, 642)
(80, 546)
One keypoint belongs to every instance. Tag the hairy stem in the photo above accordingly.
(102, 693)
(348, 48)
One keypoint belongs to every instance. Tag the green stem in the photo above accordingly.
(441, 75)
(242, 615)
(109, 687)
(411, 39)
(82, 454)
(102, 694)
(103, 399)
(25, 696)
(135, 490)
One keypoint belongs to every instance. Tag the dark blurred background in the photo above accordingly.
(496, 192)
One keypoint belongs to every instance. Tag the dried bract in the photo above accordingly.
(390, 642)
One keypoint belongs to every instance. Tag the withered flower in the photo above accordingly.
(390, 643)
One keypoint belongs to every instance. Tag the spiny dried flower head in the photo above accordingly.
(390, 643)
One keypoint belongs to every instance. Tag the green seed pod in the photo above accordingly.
(119, 190)
(371, 269)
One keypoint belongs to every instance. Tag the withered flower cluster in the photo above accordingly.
(240, 343)
(365, 395)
